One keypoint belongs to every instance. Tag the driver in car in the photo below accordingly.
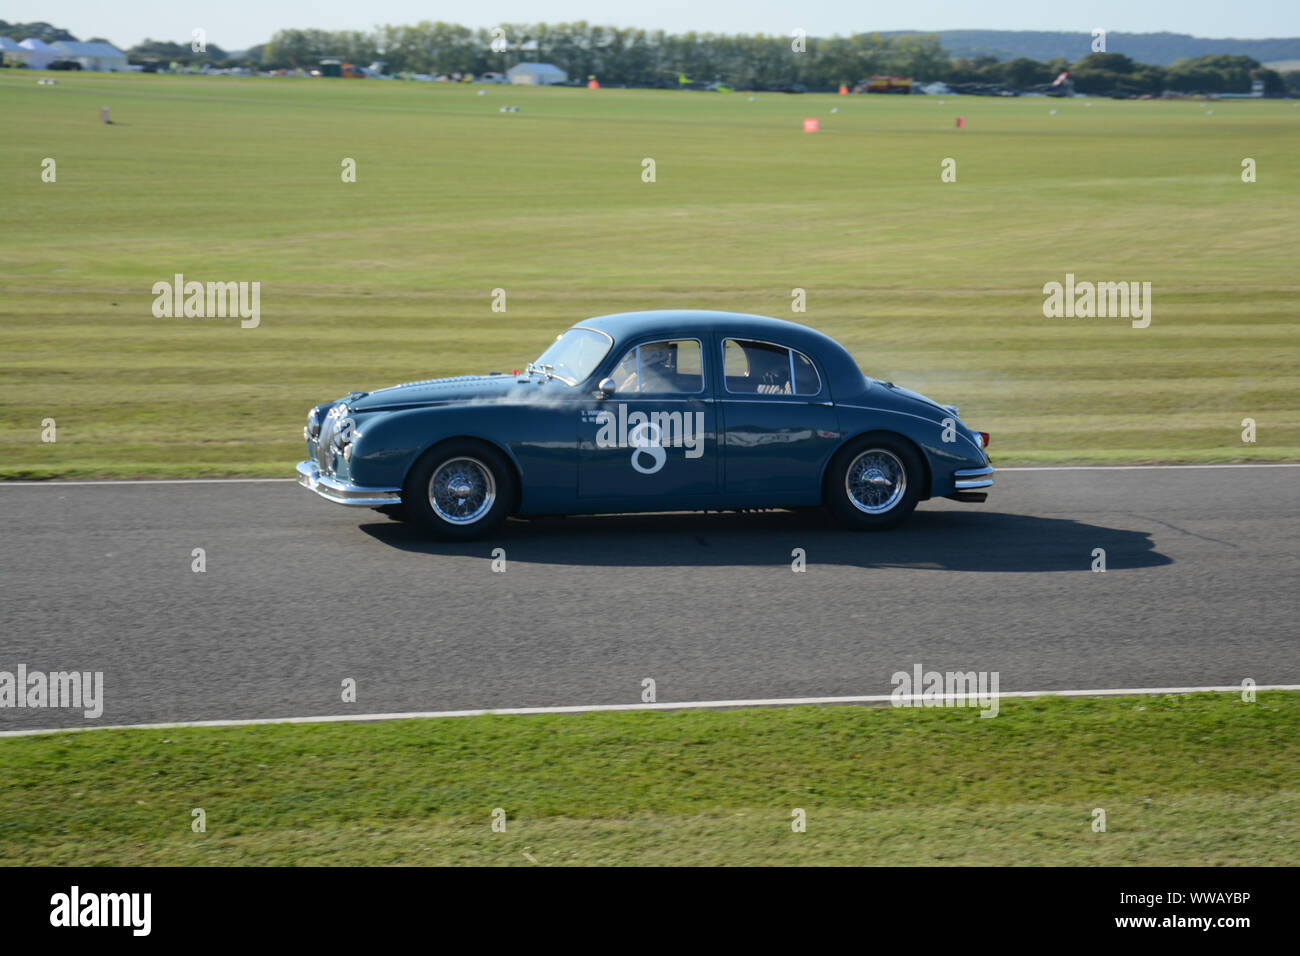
(658, 369)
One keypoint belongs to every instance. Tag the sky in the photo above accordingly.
(238, 24)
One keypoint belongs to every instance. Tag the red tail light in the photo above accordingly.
(984, 436)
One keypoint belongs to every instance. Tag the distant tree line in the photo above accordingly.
(1107, 74)
(41, 31)
(636, 57)
(166, 52)
(650, 58)
(1162, 48)
(616, 55)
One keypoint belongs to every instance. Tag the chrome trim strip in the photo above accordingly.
(648, 399)
(345, 493)
(888, 411)
(770, 401)
(969, 478)
(590, 328)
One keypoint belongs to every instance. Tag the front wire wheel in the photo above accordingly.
(460, 490)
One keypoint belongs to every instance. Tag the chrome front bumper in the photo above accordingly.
(970, 478)
(345, 493)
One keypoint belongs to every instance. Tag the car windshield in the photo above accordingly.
(574, 355)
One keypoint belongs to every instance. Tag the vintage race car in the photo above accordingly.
(648, 411)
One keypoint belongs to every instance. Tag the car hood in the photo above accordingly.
(439, 391)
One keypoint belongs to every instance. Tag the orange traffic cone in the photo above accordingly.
(844, 90)
(961, 122)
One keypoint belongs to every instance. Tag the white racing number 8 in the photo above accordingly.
(646, 439)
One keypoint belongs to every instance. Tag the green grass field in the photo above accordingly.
(934, 285)
(1203, 779)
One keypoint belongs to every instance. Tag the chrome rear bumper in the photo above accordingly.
(345, 493)
(969, 478)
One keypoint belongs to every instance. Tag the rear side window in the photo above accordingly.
(761, 368)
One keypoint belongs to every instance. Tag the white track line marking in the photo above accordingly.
(672, 705)
(56, 483)
(1288, 464)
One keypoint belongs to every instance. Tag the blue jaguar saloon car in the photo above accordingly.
(648, 411)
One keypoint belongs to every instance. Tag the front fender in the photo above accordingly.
(540, 440)
(388, 443)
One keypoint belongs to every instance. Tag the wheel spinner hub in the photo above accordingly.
(462, 490)
(875, 481)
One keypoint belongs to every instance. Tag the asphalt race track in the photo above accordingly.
(1203, 569)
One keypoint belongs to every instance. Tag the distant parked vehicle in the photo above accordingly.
(983, 89)
(887, 84)
(334, 67)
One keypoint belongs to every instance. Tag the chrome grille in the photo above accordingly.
(329, 427)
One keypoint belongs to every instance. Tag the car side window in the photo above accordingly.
(671, 367)
(761, 368)
(806, 380)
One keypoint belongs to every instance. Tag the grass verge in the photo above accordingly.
(1192, 779)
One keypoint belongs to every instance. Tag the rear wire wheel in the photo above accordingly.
(873, 483)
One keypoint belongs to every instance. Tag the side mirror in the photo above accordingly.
(605, 389)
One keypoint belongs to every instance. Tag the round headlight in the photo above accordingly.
(312, 429)
(341, 441)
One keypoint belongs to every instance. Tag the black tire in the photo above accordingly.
(872, 499)
(479, 468)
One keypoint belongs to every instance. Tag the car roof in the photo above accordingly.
(624, 327)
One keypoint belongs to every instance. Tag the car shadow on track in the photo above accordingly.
(930, 540)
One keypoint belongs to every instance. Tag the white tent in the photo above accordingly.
(14, 53)
(102, 57)
(42, 54)
(536, 74)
